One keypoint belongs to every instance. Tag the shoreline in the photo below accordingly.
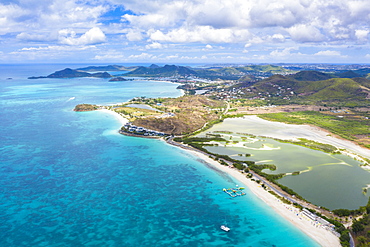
(120, 118)
(288, 212)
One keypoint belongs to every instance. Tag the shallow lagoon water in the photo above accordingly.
(69, 179)
(332, 181)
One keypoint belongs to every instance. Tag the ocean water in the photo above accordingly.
(69, 179)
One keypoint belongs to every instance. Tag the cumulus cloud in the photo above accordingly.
(328, 53)
(304, 33)
(278, 38)
(154, 45)
(362, 35)
(93, 36)
(134, 35)
(203, 34)
(284, 52)
(142, 57)
(156, 24)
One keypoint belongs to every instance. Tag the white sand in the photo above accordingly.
(320, 235)
(258, 126)
(121, 119)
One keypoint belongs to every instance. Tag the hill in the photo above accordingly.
(181, 115)
(335, 91)
(239, 72)
(71, 73)
(106, 68)
(310, 76)
(165, 71)
(347, 74)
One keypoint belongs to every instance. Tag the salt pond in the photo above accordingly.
(332, 181)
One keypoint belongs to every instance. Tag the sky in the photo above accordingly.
(184, 31)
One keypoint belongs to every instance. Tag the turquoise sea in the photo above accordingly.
(69, 179)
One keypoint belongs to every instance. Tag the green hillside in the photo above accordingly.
(310, 76)
(335, 91)
(165, 71)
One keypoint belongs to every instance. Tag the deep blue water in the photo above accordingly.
(69, 179)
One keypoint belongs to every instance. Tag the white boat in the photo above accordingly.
(225, 228)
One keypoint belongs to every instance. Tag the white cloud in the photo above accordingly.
(304, 33)
(284, 52)
(212, 23)
(134, 35)
(171, 57)
(142, 57)
(37, 36)
(57, 48)
(362, 35)
(328, 53)
(278, 38)
(110, 57)
(93, 36)
(154, 45)
(203, 34)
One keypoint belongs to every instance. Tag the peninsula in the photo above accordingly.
(71, 73)
(328, 100)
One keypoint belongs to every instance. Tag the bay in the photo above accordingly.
(69, 179)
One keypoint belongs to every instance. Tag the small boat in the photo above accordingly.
(225, 228)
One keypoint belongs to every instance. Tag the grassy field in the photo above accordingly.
(351, 126)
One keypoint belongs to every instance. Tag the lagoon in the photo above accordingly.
(332, 181)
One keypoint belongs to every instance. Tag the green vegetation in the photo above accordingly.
(346, 128)
(361, 227)
(312, 88)
(72, 73)
(85, 107)
(165, 71)
(327, 148)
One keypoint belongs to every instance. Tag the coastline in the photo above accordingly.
(121, 119)
(320, 235)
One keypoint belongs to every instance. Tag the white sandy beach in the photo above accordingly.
(121, 119)
(320, 235)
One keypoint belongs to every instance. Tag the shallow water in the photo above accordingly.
(332, 181)
(69, 179)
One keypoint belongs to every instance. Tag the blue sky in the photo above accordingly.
(185, 31)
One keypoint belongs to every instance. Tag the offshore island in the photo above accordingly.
(335, 100)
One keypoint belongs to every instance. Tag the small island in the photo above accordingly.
(118, 79)
(85, 107)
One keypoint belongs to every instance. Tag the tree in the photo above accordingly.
(357, 226)
(361, 239)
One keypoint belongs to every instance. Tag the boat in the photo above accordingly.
(225, 228)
